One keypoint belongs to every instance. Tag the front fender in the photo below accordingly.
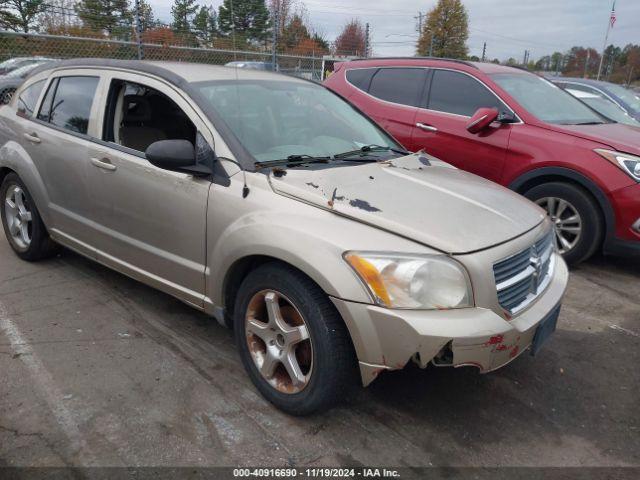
(297, 241)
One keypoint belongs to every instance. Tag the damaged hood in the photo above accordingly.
(436, 205)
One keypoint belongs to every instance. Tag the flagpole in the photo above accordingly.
(606, 39)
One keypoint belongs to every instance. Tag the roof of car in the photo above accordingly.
(174, 72)
(585, 81)
(482, 66)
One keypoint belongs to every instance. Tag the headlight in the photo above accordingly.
(413, 281)
(629, 163)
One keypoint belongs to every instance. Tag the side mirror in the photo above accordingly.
(175, 155)
(482, 119)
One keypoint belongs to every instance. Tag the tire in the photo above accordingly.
(36, 243)
(580, 202)
(332, 370)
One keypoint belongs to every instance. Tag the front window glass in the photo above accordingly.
(68, 103)
(545, 100)
(274, 119)
(137, 116)
(454, 92)
(27, 100)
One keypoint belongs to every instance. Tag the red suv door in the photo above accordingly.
(440, 125)
(391, 96)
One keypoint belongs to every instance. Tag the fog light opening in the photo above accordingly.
(444, 358)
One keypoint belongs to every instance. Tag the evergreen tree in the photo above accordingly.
(147, 17)
(20, 15)
(111, 16)
(183, 12)
(250, 19)
(205, 24)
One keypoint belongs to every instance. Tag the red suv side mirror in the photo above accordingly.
(482, 119)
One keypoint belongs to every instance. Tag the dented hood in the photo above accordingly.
(436, 205)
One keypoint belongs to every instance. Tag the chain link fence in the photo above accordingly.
(60, 47)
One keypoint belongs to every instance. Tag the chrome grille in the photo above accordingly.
(520, 278)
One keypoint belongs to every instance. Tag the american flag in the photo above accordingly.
(613, 14)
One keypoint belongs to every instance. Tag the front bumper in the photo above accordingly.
(387, 339)
(625, 238)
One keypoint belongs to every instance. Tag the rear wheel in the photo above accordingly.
(576, 218)
(21, 220)
(293, 343)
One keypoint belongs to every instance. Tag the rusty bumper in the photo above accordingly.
(387, 339)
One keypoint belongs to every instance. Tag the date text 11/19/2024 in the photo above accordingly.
(319, 472)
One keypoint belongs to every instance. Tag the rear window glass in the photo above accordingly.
(68, 103)
(361, 78)
(399, 85)
(27, 100)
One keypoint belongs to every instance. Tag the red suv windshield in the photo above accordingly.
(545, 100)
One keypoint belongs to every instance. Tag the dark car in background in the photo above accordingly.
(12, 80)
(625, 98)
(16, 62)
(517, 129)
(604, 106)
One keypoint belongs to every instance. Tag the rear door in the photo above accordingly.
(394, 94)
(440, 124)
(152, 221)
(58, 139)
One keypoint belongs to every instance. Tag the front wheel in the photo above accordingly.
(576, 218)
(293, 343)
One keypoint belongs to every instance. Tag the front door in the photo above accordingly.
(440, 127)
(153, 221)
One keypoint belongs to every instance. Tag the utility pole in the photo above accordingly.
(586, 63)
(138, 30)
(525, 60)
(366, 41)
(484, 51)
(274, 36)
(431, 46)
(233, 30)
(419, 18)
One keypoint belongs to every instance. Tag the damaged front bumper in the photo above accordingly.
(387, 339)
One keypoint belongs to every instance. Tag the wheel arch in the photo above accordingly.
(544, 175)
(4, 171)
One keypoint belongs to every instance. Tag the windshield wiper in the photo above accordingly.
(292, 160)
(362, 151)
(588, 123)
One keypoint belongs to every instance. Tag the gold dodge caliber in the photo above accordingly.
(277, 207)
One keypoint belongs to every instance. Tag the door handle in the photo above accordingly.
(428, 128)
(103, 163)
(32, 137)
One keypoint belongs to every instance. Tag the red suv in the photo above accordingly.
(514, 128)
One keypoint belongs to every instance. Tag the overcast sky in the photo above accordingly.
(508, 26)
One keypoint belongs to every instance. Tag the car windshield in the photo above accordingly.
(627, 96)
(277, 119)
(545, 100)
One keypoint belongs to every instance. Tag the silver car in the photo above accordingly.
(276, 207)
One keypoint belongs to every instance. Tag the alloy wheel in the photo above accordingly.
(566, 220)
(18, 216)
(279, 341)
